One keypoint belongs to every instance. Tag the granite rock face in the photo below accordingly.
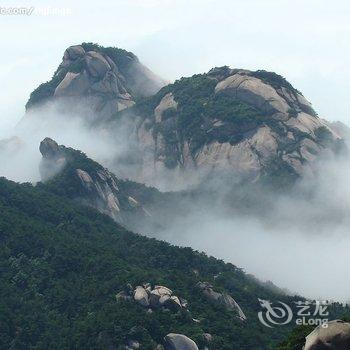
(179, 342)
(247, 124)
(336, 336)
(97, 81)
(223, 299)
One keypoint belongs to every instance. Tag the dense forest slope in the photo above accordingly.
(62, 266)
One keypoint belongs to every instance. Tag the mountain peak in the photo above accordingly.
(70, 173)
(102, 80)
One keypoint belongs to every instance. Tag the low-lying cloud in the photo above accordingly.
(299, 241)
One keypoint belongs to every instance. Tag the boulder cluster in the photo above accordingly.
(158, 297)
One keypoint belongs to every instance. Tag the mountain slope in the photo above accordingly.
(71, 174)
(243, 123)
(62, 266)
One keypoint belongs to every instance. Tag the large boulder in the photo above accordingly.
(179, 342)
(53, 160)
(255, 92)
(141, 296)
(335, 335)
(222, 299)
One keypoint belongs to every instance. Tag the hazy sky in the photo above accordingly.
(306, 41)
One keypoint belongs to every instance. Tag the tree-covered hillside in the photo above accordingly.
(62, 265)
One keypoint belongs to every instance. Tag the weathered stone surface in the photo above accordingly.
(166, 103)
(74, 52)
(179, 342)
(133, 344)
(73, 84)
(336, 336)
(49, 148)
(223, 299)
(254, 92)
(100, 85)
(53, 160)
(141, 296)
(207, 337)
(96, 64)
(98, 187)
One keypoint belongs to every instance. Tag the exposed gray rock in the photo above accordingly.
(73, 84)
(141, 296)
(100, 85)
(223, 299)
(95, 186)
(133, 344)
(74, 52)
(96, 64)
(53, 160)
(248, 150)
(160, 297)
(207, 337)
(166, 103)
(179, 342)
(254, 92)
(336, 336)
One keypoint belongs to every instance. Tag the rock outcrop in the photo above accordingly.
(97, 81)
(239, 122)
(222, 299)
(158, 297)
(245, 124)
(179, 342)
(69, 172)
(335, 335)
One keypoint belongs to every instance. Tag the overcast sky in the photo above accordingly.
(305, 41)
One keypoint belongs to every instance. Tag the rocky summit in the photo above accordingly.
(246, 124)
(70, 173)
(97, 80)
